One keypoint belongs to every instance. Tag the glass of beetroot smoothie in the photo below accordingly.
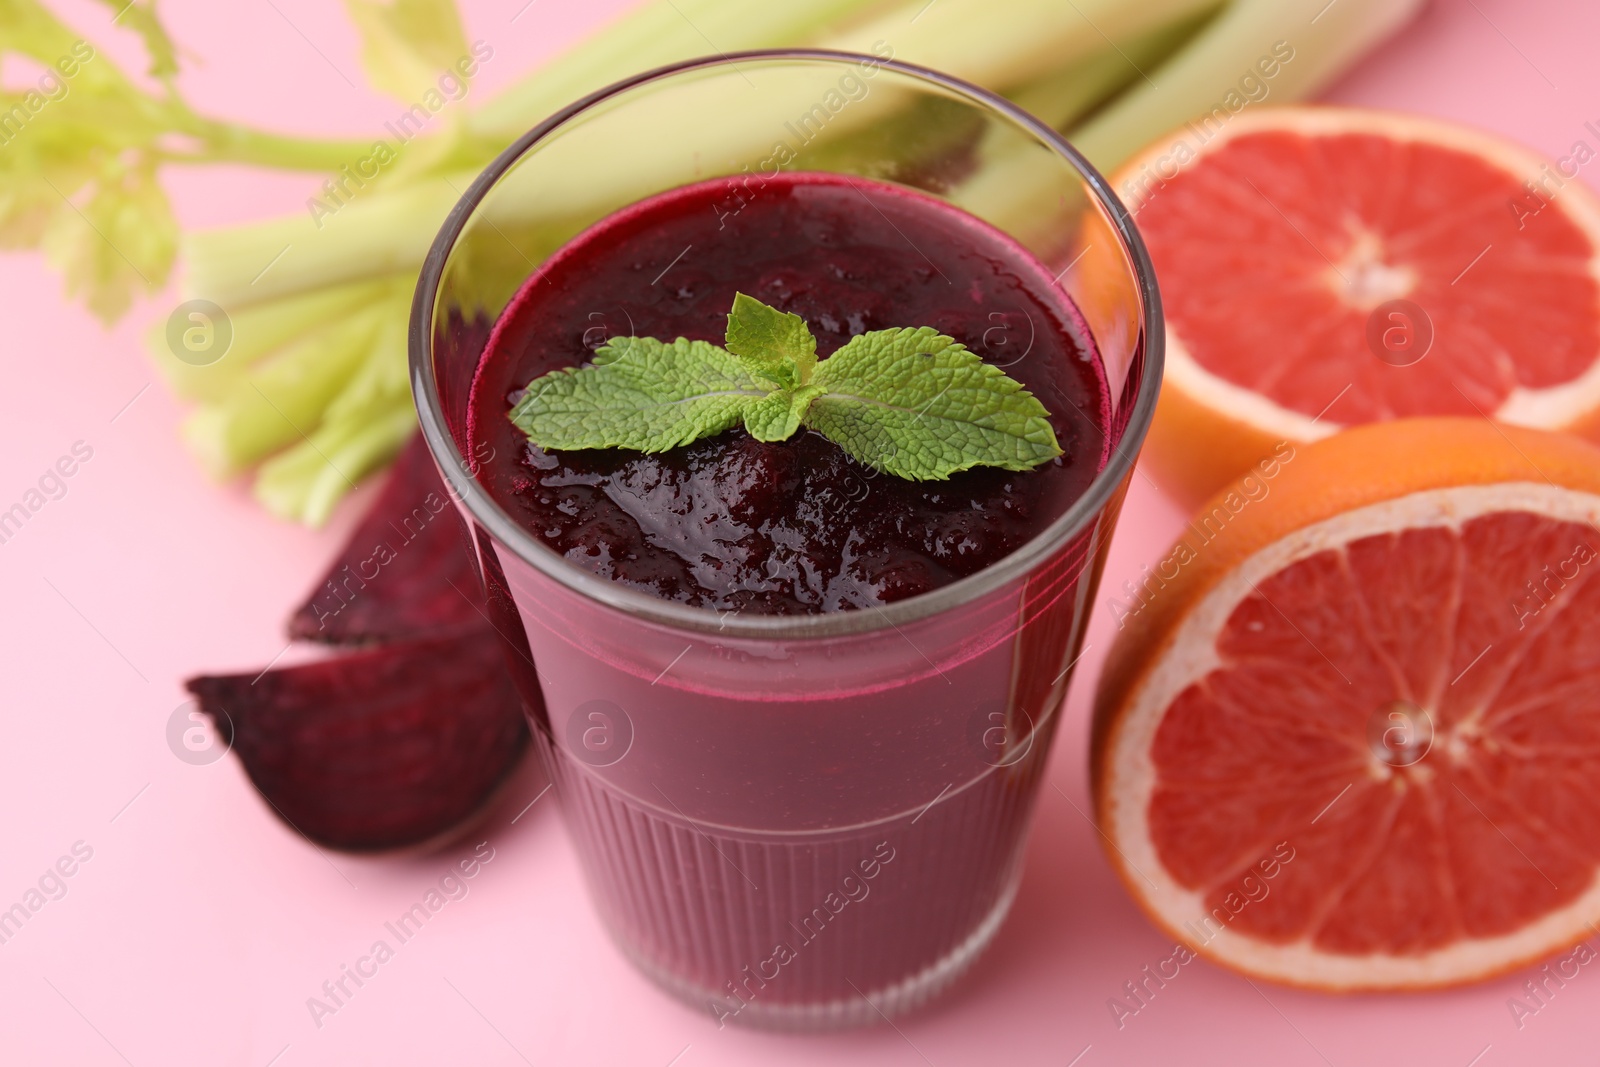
(796, 707)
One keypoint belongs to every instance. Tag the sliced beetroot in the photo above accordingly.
(406, 572)
(378, 748)
(397, 741)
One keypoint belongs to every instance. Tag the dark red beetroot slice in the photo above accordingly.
(379, 748)
(406, 571)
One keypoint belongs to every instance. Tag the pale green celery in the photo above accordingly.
(358, 429)
(258, 332)
(932, 130)
(384, 374)
(227, 142)
(385, 233)
(284, 398)
(304, 483)
(1195, 81)
(405, 45)
(659, 33)
(936, 129)
(999, 190)
(1064, 97)
(1001, 44)
(1016, 192)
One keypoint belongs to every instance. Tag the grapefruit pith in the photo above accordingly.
(1352, 741)
(1325, 267)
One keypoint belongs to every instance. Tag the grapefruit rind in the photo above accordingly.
(1235, 403)
(1128, 776)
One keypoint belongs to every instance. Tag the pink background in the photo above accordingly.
(201, 925)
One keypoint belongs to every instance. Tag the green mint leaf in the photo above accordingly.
(641, 394)
(921, 406)
(778, 416)
(774, 344)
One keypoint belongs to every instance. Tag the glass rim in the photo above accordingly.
(484, 511)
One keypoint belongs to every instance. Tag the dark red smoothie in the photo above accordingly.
(731, 523)
(796, 833)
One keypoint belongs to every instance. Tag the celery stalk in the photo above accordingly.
(388, 233)
(305, 482)
(1064, 97)
(666, 31)
(1000, 44)
(361, 428)
(1197, 79)
(258, 332)
(278, 402)
(384, 375)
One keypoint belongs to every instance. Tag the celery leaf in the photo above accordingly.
(120, 242)
(408, 45)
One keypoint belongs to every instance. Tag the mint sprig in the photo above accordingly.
(911, 402)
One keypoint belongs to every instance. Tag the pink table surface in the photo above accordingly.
(200, 925)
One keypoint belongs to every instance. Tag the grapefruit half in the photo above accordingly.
(1325, 267)
(1349, 735)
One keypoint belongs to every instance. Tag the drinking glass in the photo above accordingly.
(793, 821)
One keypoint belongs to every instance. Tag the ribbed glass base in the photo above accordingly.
(804, 930)
(863, 1009)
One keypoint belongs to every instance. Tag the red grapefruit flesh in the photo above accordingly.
(1352, 745)
(1283, 243)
